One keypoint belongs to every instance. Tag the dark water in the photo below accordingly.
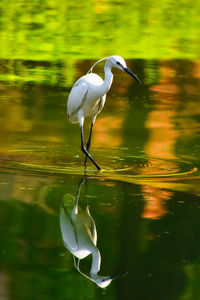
(145, 204)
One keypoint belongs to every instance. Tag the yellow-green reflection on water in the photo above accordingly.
(145, 203)
(62, 33)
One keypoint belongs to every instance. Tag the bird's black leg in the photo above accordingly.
(86, 152)
(88, 143)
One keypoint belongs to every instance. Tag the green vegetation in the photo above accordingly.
(53, 30)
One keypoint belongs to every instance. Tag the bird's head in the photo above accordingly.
(119, 63)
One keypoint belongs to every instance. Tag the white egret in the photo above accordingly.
(80, 238)
(88, 95)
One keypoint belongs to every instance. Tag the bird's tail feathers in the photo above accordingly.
(72, 118)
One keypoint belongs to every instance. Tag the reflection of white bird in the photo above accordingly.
(88, 96)
(80, 238)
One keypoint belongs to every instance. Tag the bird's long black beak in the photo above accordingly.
(133, 75)
(113, 277)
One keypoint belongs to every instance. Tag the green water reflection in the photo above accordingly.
(155, 241)
(148, 229)
(145, 203)
(159, 120)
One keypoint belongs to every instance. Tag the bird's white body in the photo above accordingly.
(80, 238)
(78, 231)
(88, 96)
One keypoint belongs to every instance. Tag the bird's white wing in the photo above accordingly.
(92, 227)
(101, 103)
(76, 98)
(68, 231)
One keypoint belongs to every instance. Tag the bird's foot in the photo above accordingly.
(90, 157)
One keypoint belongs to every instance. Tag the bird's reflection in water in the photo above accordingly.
(80, 238)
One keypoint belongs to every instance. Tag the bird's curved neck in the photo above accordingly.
(108, 79)
(96, 260)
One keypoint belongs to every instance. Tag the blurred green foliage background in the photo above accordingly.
(60, 33)
(53, 30)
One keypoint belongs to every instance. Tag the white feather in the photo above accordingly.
(75, 100)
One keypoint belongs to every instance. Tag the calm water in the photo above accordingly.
(145, 204)
(144, 207)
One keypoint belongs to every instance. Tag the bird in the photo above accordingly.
(79, 235)
(88, 96)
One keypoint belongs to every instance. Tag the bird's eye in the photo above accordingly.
(118, 63)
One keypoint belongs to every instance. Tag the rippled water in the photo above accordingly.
(144, 204)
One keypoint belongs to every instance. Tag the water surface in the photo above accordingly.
(145, 203)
